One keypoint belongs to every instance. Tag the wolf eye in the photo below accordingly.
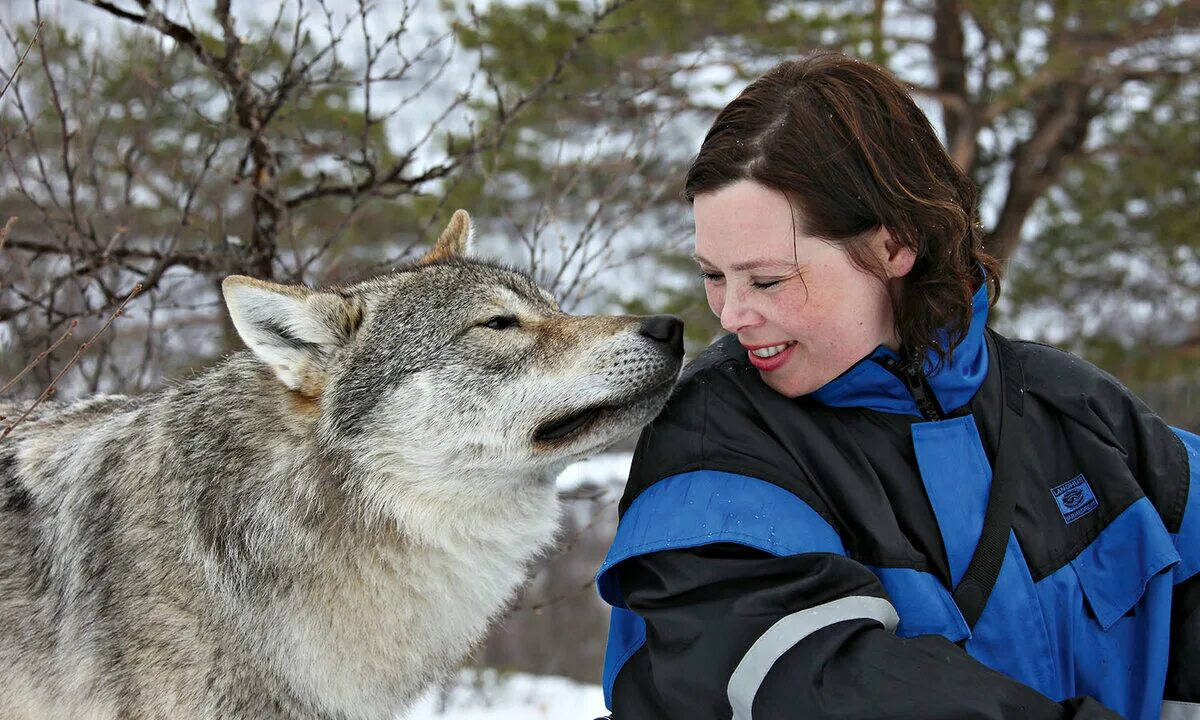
(501, 322)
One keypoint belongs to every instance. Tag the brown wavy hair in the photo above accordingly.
(844, 141)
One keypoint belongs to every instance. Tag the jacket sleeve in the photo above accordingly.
(1183, 672)
(731, 627)
(1183, 669)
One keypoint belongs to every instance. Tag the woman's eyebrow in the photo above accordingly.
(750, 264)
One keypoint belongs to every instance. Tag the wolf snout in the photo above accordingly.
(666, 329)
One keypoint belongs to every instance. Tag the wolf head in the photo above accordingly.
(453, 377)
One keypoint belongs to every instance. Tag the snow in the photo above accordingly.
(489, 695)
(605, 470)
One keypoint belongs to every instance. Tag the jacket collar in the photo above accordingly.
(877, 383)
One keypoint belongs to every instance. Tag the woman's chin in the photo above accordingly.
(791, 385)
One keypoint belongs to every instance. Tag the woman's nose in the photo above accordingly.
(736, 315)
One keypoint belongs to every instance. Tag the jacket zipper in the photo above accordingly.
(918, 386)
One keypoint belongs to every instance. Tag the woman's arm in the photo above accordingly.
(1183, 669)
(706, 607)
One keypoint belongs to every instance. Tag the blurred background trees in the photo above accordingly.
(171, 143)
(1077, 119)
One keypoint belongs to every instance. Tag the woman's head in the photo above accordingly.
(842, 146)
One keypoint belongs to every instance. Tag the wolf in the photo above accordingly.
(323, 525)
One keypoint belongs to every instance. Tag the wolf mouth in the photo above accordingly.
(575, 423)
(560, 428)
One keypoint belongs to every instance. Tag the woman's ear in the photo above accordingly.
(896, 257)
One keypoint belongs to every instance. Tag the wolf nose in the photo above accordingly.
(666, 329)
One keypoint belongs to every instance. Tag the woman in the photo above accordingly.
(812, 528)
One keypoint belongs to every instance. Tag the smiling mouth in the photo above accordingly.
(772, 351)
(772, 358)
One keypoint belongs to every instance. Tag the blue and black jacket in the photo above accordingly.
(793, 558)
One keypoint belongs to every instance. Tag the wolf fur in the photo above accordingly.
(319, 527)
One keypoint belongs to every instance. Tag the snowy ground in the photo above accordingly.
(486, 695)
(604, 470)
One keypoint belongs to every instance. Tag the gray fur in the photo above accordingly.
(316, 529)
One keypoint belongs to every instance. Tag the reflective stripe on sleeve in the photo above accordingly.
(784, 634)
(1174, 710)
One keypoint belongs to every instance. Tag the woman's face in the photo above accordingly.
(801, 308)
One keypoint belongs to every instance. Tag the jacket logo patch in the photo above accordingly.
(1075, 498)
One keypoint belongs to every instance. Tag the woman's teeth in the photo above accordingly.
(770, 351)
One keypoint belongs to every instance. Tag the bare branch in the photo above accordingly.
(1075, 49)
(156, 20)
(4, 231)
(52, 387)
(65, 133)
(393, 179)
(21, 61)
(266, 206)
(200, 262)
(40, 357)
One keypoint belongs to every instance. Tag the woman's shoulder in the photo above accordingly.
(1083, 397)
(724, 356)
(720, 388)
(716, 377)
(1081, 393)
(722, 416)
(1061, 376)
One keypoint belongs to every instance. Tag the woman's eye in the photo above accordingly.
(711, 277)
(500, 322)
(764, 284)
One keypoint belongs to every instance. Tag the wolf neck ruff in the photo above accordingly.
(1056, 569)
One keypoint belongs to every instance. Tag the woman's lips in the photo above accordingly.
(771, 363)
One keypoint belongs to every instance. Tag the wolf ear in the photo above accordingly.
(292, 329)
(455, 241)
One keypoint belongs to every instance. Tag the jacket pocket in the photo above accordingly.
(1115, 569)
(1120, 638)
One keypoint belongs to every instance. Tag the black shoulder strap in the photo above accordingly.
(977, 582)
